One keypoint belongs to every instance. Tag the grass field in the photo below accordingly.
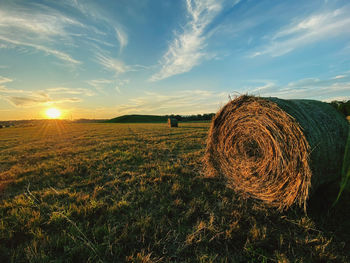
(136, 193)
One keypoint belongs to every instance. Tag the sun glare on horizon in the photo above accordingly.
(53, 113)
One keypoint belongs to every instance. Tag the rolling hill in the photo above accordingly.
(139, 119)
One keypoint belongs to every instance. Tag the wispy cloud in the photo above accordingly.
(89, 11)
(74, 91)
(187, 49)
(20, 101)
(97, 83)
(31, 98)
(122, 38)
(4, 80)
(120, 84)
(116, 83)
(116, 65)
(307, 30)
(32, 101)
(6, 90)
(309, 88)
(37, 28)
(59, 54)
(44, 24)
(339, 77)
(112, 64)
(46, 29)
(181, 102)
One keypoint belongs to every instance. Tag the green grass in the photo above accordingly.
(136, 193)
(345, 173)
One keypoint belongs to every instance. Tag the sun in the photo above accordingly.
(53, 113)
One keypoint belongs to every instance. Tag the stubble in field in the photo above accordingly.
(136, 192)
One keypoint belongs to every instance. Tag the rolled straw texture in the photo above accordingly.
(275, 150)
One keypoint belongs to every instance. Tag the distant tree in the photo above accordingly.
(342, 106)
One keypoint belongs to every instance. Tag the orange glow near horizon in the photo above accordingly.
(53, 113)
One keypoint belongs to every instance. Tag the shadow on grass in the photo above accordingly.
(328, 218)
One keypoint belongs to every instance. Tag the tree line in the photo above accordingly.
(196, 117)
(342, 106)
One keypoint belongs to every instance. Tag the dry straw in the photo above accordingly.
(275, 150)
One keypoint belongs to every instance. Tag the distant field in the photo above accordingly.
(136, 193)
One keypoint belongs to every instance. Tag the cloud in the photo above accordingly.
(120, 84)
(45, 29)
(309, 88)
(53, 31)
(89, 11)
(26, 101)
(308, 30)
(122, 38)
(187, 49)
(3, 89)
(58, 54)
(47, 92)
(181, 102)
(101, 84)
(38, 100)
(4, 80)
(30, 98)
(112, 64)
(117, 66)
(74, 91)
(98, 82)
(44, 24)
(38, 29)
(339, 76)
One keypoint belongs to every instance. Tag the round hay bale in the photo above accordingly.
(274, 150)
(172, 122)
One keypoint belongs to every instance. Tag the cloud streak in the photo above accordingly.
(37, 29)
(181, 102)
(308, 30)
(112, 64)
(58, 54)
(29, 98)
(48, 30)
(187, 49)
(309, 88)
(89, 11)
(122, 38)
(40, 24)
(75, 91)
(32, 101)
(4, 80)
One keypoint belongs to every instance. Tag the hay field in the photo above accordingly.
(136, 193)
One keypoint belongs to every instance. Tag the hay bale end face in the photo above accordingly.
(172, 122)
(274, 150)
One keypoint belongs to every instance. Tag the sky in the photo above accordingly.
(102, 59)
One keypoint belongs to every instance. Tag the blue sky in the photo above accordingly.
(101, 59)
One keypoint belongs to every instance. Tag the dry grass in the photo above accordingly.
(135, 193)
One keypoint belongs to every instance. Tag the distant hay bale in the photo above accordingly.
(274, 150)
(172, 122)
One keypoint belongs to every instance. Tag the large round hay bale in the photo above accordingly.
(276, 150)
(172, 122)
